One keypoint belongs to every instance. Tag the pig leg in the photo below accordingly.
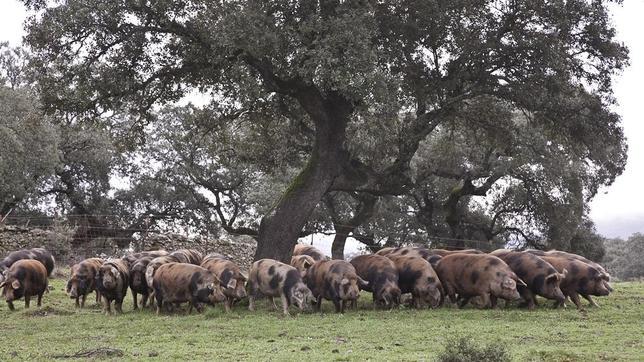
(107, 308)
(118, 306)
(27, 301)
(575, 299)
(336, 304)
(272, 300)
(252, 295)
(136, 305)
(463, 301)
(40, 299)
(344, 305)
(144, 301)
(318, 303)
(284, 304)
(485, 300)
(493, 301)
(228, 303)
(589, 299)
(76, 303)
(82, 304)
(11, 307)
(527, 296)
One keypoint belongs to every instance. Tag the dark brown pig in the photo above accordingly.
(40, 254)
(382, 276)
(230, 277)
(313, 252)
(112, 282)
(334, 280)
(604, 274)
(180, 282)
(302, 263)
(541, 277)
(24, 279)
(152, 267)
(138, 282)
(581, 279)
(416, 276)
(133, 257)
(275, 279)
(188, 256)
(82, 281)
(483, 275)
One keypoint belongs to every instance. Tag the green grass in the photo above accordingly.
(615, 331)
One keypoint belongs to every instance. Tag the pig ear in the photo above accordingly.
(15, 284)
(564, 273)
(552, 277)
(307, 264)
(3, 284)
(115, 271)
(232, 283)
(244, 276)
(344, 281)
(362, 283)
(521, 282)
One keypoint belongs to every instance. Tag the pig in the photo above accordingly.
(416, 276)
(182, 282)
(39, 254)
(275, 279)
(604, 274)
(444, 252)
(482, 275)
(313, 252)
(541, 277)
(82, 281)
(302, 263)
(188, 256)
(382, 276)
(230, 278)
(133, 257)
(112, 282)
(138, 283)
(152, 267)
(25, 278)
(386, 251)
(581, 279)
(334, 280)
(408, 251)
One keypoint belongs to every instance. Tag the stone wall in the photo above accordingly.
(240, 249)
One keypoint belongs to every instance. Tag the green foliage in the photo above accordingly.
(624, 257)
(28, 147)
(464, 349)
(611, 332)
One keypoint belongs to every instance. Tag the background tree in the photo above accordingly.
(348, 67)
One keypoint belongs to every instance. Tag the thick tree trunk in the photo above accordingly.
(364, 212)
(339, 241)
(280, 228)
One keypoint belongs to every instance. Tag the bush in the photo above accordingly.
(464, 349)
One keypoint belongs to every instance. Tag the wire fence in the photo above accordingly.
(108, 234)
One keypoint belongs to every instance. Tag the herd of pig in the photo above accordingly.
(429, 275)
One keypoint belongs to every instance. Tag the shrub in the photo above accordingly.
(465, 349)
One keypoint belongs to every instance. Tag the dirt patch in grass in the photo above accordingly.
(104, 352)
(47, 311)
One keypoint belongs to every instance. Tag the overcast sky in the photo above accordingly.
(617, 210)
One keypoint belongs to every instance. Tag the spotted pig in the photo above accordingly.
(275, 279)
(334, 280)
(382, 276)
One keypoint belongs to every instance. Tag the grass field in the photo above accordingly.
(615, 331)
